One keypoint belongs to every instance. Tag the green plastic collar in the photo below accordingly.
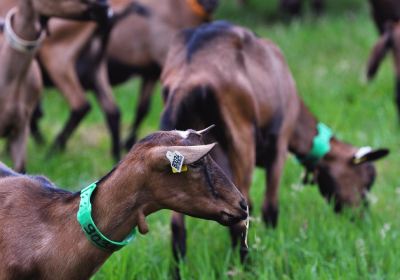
(321, 145)
(88, 226)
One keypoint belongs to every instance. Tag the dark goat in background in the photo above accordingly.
(386, 14)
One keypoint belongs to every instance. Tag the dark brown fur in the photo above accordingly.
(386, 14)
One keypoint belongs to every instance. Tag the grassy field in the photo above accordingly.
(327, 56)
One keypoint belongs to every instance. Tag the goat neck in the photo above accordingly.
(120, 202)
(304, 132)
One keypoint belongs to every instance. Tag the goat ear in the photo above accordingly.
(190, 154)
(365, 154)
(195, 153)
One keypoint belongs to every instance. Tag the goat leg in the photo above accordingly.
(104, 95)
(178, 240)
(34, 124)
(143, 105)
(274, 166)
(318, 6)
(17, 145)
(398, 96)
(74, 119)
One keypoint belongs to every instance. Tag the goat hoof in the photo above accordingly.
(56, 148)
(116, 154)
(270, 216)
(244, 255)
(38, 138)
(130, 142)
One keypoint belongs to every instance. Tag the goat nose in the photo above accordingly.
(243, 204)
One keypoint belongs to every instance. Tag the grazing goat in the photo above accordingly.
(386, 14)
(138, 45)
(20, 80)
(40, 237)
(223, 74)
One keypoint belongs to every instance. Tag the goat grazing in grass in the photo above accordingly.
(137, 45)
(223, 74)
(386, 15)
(41, 236)
(20, 79)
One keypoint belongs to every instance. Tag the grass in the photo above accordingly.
(327, 56)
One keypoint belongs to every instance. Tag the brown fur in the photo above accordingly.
(224, 74)
(20, 80)
(41, 239)
(138, 45)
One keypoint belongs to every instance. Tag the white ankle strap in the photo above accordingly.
(15, 41)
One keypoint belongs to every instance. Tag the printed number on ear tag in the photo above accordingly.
(176, 159)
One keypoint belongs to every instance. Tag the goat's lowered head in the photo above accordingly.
(196, 185)
(346, 174)
(73, 9)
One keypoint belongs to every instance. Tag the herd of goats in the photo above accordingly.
(212, 73)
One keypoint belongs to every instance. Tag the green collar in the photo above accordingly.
(321, 146)
(88, 226)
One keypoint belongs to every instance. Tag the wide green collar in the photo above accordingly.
(321, 146)
(88, 226)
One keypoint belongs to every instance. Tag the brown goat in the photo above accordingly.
(145, 35)
(20, 80)
(40, 237)
(223, 74)
(386, 14)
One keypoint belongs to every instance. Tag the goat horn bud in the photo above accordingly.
(204, 131)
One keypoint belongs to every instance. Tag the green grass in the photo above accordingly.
(327, 56)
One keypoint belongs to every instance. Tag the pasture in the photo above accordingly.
(327, 56)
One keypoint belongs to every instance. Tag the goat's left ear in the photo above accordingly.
(190, 154)
(365, 154)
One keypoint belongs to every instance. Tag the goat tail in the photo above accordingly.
(378, 53)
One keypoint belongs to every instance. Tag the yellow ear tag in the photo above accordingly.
(184, 169)
(176, 159)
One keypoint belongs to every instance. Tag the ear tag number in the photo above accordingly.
(176, 159)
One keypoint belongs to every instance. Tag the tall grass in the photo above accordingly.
(327, 56)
